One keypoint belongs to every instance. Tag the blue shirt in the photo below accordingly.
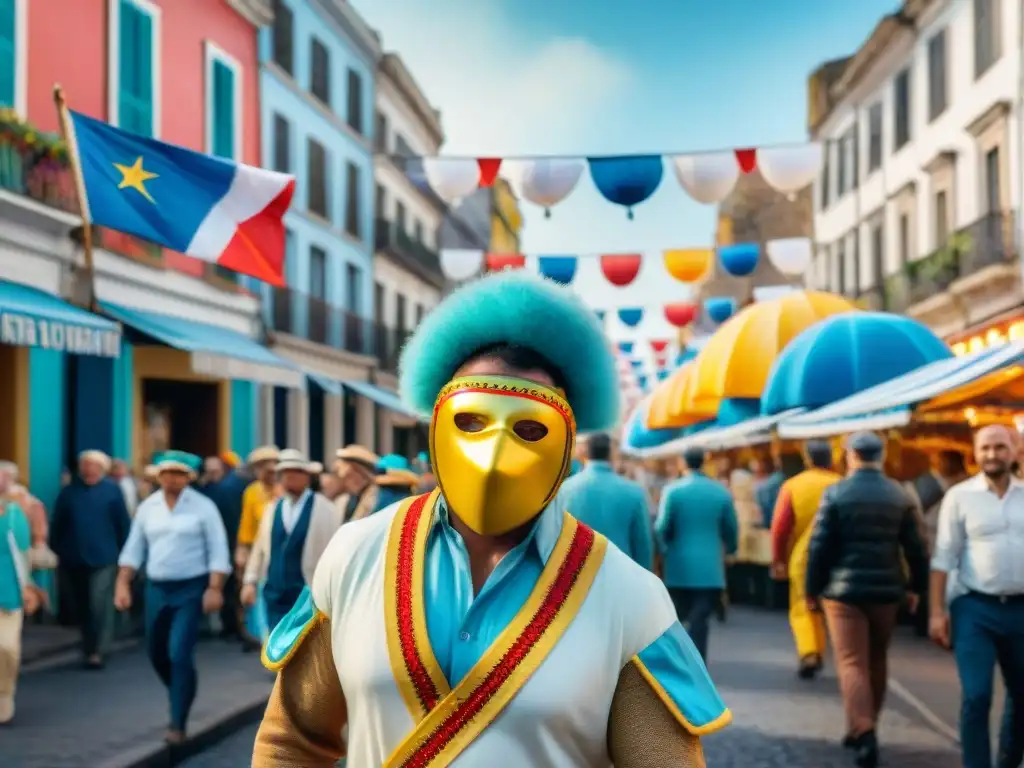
(696, 528)
(12, 520)
(180, 543)
(89, 524)
(612, 506)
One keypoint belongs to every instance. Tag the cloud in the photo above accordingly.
(499, 90)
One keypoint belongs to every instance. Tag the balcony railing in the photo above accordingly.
(35, 164)
(987, 242)
(388, 343)
(393, 240)
(298, 314)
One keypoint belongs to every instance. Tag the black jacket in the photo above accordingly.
(864, 524)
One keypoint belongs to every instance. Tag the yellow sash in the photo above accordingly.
(447, 721)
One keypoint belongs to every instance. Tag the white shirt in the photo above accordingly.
(291, 508)
(980, 537)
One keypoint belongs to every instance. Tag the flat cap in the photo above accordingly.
(867, 445)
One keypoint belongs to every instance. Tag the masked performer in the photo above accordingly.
(481, 624)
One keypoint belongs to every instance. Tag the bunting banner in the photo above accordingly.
(623, 180)
(791, 256)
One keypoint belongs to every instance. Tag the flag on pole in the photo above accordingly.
(216, 210)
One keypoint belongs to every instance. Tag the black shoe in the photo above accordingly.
(849, 742)
(866, 755)
(809, 667)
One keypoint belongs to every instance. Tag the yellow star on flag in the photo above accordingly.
(135, 177)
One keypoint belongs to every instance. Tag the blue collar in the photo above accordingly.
(600, 466)
(543, 535)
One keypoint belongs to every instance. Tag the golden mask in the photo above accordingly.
(501, 447)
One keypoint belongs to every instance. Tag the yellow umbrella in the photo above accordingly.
(736, 360)
(672, 403)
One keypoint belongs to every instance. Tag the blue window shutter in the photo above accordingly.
(223, 110)
(8, 53)
(135, 101)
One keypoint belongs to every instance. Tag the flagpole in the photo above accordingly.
(74, 162)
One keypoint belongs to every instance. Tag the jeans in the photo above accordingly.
(92, 593)
(694, 607)
(987, 632)
(174, 613)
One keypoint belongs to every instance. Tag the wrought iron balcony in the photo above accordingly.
(316, 320)
(395, 242)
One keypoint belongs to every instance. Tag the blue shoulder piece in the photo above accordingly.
(287, 636)
(677, 674)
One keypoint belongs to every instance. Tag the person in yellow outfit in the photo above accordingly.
(259, 493)
(792, 523)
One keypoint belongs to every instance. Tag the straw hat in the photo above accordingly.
(357, 454)
(291, 458)
(177, 461)
(404, 478)
(98, 456)
(262, 454)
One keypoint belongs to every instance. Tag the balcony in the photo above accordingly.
(35, 165)
(387, 344)
(988, 242)
(394, 242)
(298, 314)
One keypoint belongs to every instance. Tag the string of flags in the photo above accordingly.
(791, 256)
(626, 180)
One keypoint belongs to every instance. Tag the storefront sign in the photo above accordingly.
(24, 331)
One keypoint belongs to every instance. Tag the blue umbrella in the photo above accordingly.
(627, 180)
(847, 353)
(639, 437)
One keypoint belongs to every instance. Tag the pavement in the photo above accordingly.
(68, 717)
(780, 721)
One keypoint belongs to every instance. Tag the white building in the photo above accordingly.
(408, 281)
(914, 210)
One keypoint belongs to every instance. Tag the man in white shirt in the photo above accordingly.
(980, 539)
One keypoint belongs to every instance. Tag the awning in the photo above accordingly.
(382, 397)
(890, 404)
(33, 318)
(215, 351)
(330, 386)
(755, 431)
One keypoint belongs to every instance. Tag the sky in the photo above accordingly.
(594, 77)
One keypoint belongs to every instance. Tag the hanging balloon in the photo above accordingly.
(680, 315)
(687, 265)
(627, 180)
(707, 178)
(636, 364)
(631, 317)
(641, 382)
(739, 260)
(452, 178)
(626, 347)
(791, 256)
(746, 159)
(658, 345)
(561, 269)
(790, 169)
(496, 262)
(663, 374)
(621, 269)
(720, 308)
(460, 264)
(489, 167)
(545, 181)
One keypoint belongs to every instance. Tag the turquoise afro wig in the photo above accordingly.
(520, 309)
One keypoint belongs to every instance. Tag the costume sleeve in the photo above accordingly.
(302, 727)
(783, 520)
(248, 526)
(643, 733)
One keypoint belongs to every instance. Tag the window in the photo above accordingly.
(826, 176)
(941, 219)
(223, 104)
(353, 214)
(841, 266)
(283, 37)
(380, 133)
(993, 198)
(320, 68)
(353, 288)
(402, 148)
(400, 320)
(355, 102)
(847, 162)
(317, 272)
(878, 252)
(378, 303)
(417, 229)
(318, 181)
(905, 254)
(400, 217)
(937, 85)
(853, 268)
(135, 101)
(987, 35)
(282, 144)
(11, 48)
(420, 312)
(380, 199)
(875, 137)
(901, 109)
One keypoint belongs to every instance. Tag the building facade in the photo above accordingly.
(190, 364)
(914, 208)
(318, 93)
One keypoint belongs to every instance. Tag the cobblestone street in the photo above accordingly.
(779, 721)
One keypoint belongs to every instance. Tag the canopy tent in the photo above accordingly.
(30, 317)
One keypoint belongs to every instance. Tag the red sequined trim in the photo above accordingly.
(426, 691)
(568, 573)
